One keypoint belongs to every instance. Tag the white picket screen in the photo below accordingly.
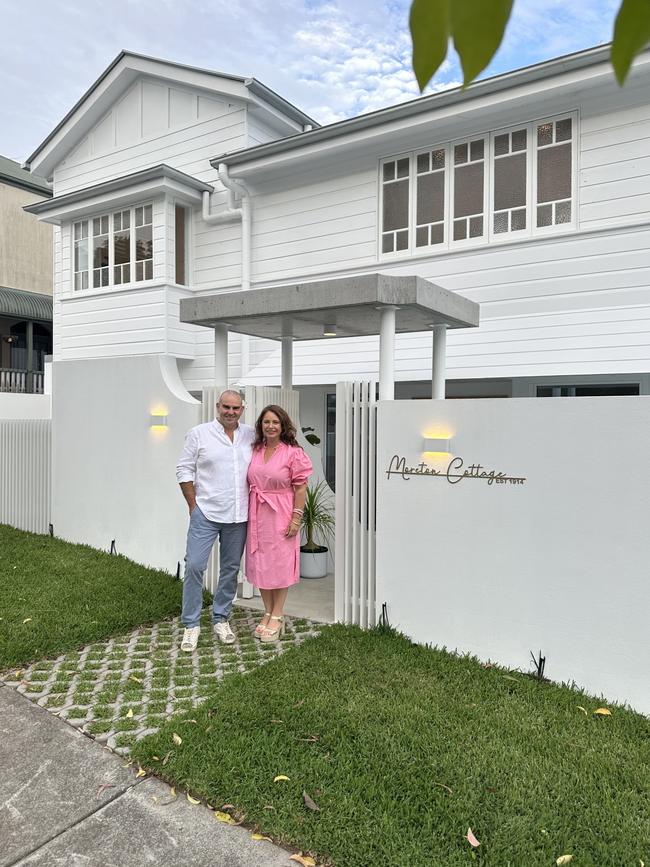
(356, 447)
(25, 473)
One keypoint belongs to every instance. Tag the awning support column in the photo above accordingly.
(387, 353)
(439, 362)
(221, 354)
(287, 362)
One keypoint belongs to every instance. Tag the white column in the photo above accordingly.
(287, 362)
(387, 354)
(439, 363)
(221, 355)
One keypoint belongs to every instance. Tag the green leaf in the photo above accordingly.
(477, 27)
(429, 23)
(631, 35)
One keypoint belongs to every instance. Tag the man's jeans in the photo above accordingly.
(201, 536)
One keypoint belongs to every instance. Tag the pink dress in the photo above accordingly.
(273, 559)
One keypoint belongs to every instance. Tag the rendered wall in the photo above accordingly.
(25, 244)
(113, 475)
(558, 562)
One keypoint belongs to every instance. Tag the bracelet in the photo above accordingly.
(300, 511)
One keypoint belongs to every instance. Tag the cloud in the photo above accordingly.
(333, 59)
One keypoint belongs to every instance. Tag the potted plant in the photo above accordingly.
(317, 521)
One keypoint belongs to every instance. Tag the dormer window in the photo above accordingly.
(112, 249)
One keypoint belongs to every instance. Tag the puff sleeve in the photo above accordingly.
(300, 467)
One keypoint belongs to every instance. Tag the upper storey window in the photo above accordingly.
(514, 183)
(115, 248)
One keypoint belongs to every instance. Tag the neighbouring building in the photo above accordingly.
(25, 281)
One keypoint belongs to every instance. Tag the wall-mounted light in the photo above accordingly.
(435, 444)
(157, 420)
(329, 331)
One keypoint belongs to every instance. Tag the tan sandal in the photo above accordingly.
(261, 626)
(273, 634)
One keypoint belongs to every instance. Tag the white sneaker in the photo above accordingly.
(224, 633)
(190, 639)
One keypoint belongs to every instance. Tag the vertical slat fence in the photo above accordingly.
(25, 473)
(356, 413)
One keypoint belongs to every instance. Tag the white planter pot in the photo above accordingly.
(313, 564)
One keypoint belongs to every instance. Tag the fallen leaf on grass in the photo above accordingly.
(136, 679)
(311, 805)
(298, 703)
(189, 721)
(141, 772)
(260, 837)
(446, 788)
(603, 711)
(305, 860)
(166, 757)
(192, 800)
(27, 620)
(178, 740)
(226, 818)
(277, 722)
(311, 739)
(583, 709)
(471, 839)
(280, 777)
(228, 807)
(129, 713)
(564, 859)
(509, 677)
(155, 759)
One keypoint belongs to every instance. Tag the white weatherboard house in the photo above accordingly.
(527, 196)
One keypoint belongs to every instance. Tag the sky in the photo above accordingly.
(332, 58)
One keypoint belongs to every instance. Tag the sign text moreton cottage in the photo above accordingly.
(455, 472)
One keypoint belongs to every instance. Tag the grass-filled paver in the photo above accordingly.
(55, 596)
(404, 748)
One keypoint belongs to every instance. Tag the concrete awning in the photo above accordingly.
(352, 304)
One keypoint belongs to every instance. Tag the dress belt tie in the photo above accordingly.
(260, 496)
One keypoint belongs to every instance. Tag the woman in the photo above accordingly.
(277, 476)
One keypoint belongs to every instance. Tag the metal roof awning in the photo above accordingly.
(344, 306)
(25, 305)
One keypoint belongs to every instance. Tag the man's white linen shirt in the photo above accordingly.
(218, 468)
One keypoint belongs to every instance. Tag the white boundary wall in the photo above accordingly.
(113, 474)
(557, 563)
(25, 472)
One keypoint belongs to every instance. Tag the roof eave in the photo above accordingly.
(488, 87)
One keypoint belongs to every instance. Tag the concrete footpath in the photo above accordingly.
(66, 800)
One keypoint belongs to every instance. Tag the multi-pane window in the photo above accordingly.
(509, 188)
(144, 243)
(122, 247)
(430, 169)
(469, 189)
(554, 162)
(80, 235)
(512, 183)
(396, 202)
(115, 248)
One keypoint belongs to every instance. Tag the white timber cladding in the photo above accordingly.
(574, 304)
(181, 128)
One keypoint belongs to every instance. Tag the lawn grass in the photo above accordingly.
(404, 748)
(55, 596)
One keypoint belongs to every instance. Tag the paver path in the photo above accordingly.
(122, 689)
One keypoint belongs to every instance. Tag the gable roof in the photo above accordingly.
(12, 173)
(125, 68)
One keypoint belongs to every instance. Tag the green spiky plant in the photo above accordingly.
(318, 516)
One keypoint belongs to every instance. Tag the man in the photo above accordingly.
(212, 474)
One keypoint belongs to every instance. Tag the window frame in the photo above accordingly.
(89, 238)
(531, 231)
